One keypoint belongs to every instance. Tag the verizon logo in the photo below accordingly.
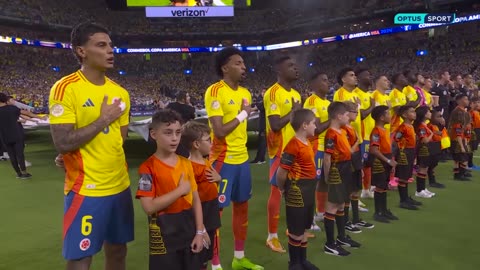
(190, 13)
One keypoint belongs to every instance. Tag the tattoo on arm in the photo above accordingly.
(66, 138)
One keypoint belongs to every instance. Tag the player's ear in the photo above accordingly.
(196, 144)
(80, 51)
(153, 133)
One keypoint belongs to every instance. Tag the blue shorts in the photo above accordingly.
(90, 221)
(364, 149)
(272, 176)
(236, 184)
(319, 163)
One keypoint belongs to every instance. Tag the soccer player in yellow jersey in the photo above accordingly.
(228, 107)
(427, 87)
(89, 117)
(366, 106)
(382, 84)
(279, 100)
(347, 79)
(397, 99)
(411, 93)
(318, 103)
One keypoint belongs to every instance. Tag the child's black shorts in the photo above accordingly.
(404, 158)
(300, 204)
(381, 172)
(339, 182)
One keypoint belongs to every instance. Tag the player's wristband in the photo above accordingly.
(242, 116)
(389, 161)
(201, 232)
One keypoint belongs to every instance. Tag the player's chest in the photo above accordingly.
(88, 106)
(232, 104)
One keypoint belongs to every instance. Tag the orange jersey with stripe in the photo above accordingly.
(343, 94)
(298, 160)
(423, 131)
(351, 136)
(157, 179)
(475, 115)
(337, 145)
(319, 107)
(223, 101)
(437, 134)
(380, 137)
(405, 136)
(97, 168)
(278, 101)
(206, 190)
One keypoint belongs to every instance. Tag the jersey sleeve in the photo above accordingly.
(330, 142)
(145, 182)
(375, 138)
(61, 105)
(191, 177)
(289, 154)
(272, 106)
(422, 132)
(399, 133)
(213, 103)
(312, 104)
(125, 117)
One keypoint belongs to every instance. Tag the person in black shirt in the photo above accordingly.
(441, 90)
(262, 142)
(183, 107)
(12, 136)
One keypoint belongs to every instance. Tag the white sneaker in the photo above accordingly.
(365, 194)
(422, 194)
(28, 163)
(5, 155)
(315, 227)
(318, 217)
(362, 209)
(429, 192)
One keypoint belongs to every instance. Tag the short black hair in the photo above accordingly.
(165, 116)
(378, 112)
(335, 108)
(4, 98)
(280, 59)
(407, 72)
(403, 109)
(351, 106)
(460, 96)
(301, 116)
(193, 131)
(181, 95)
(395, 77)
(316, 74)
(342, 73)
(378, 77)
(360, 70)
(82, 32)
(223, 57)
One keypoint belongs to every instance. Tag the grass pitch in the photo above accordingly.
(441, 236)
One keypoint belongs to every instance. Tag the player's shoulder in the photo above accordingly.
(113, 85)
(148, 165)
(244, 91)
(214, 90)
(63, 85)
(273, 92)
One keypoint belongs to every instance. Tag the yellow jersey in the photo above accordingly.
(381, 99)
(221, 100)
(368, 123)
(319, 107)
(97, 168)
(397, 98)
(343, 94)
(410, 92)
(278, 101)
(428, 99)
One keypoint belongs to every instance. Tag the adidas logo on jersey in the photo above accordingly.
(88, 103)
(231, 102)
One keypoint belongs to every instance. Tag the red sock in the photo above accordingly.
(216, 245)
(240, 224)
(367, 177)
(273, 209)
(321, 201)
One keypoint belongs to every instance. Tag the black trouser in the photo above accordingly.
(17, 157)
(262, 147)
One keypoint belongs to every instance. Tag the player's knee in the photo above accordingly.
(115, 251)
